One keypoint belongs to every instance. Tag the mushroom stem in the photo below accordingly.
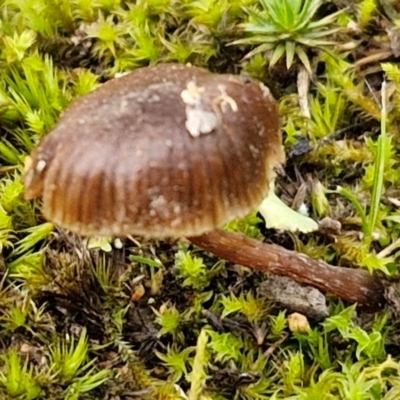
(352, 285)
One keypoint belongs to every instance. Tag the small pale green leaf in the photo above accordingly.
(304, 59)
(146, 261)
(278, 215)
(97, 242)
(277, 54)
(290, 51)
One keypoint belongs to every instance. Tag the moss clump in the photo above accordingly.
(164, 320)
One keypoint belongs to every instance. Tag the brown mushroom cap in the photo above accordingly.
(164, 151)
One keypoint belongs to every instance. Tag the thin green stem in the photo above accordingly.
(357, 205)
(382, 144)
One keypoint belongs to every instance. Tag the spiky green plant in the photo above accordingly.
(254, 309)
(365, 11)
(287, 28)
(18, 377)
(176, 361)
(169, 319)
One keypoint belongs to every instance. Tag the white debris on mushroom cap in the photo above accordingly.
(198, 119)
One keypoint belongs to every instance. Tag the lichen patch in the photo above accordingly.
(199, 120)
(192, 94)
(224, 100)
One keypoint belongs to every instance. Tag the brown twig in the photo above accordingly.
(352, 285)
(373, 58)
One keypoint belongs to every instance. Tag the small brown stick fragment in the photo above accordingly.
(352, 285)
(303, 88)
(272, 348)
(381, 56)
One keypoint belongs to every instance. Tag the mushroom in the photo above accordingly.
(165, 151)
(172, 151)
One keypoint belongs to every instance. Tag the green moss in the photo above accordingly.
(163, 320)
